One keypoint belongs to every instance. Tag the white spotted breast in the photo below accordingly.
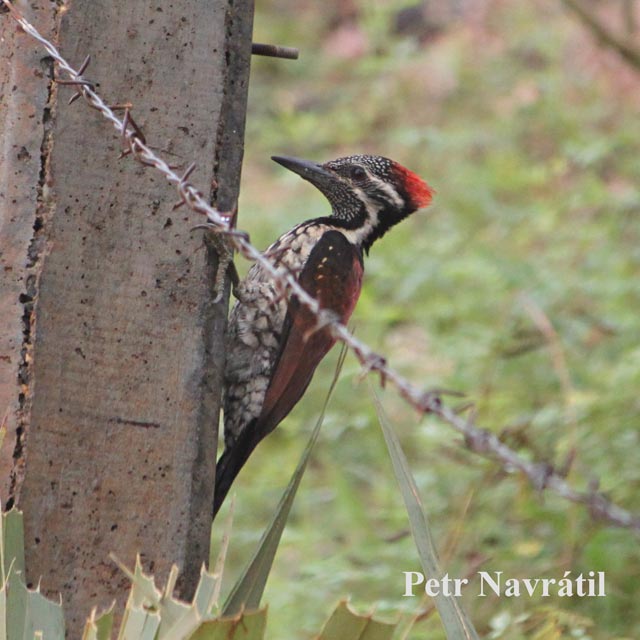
(254, 329)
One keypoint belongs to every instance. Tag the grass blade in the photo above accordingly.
(456, 624)
(248, 591)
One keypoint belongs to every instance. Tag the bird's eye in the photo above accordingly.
(357, 173)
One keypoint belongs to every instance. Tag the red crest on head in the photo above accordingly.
(419, 192)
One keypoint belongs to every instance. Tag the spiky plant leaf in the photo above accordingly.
(16, 606)
(218, 565)
(139, 623)
(456, 624)
(194, 615)
(12, 542)
(346, 624)
(3, 611)
(98, 627)
(140, 619)
(204, 598)
(172, 609)
(143, 588)
(151, 614)
(43, 616)
(249, 625)
(24, 613)
(248, 591)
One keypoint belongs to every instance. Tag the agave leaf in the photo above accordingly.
(99, 627)
(43, 616)
(346, 624)
(218, 570)
(24, 613)
(12, 542)
(14, 591)
(139, 623)
(183, 627)
(248, 591)
(456, 624)
(193, 616)
(3, 611)
(172, 608)
(143, 588)
(16, 605)
(3, 583)
(140, 615)
(244, 626)
(204, 598)
(29, 613)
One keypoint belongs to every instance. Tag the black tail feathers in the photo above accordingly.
(231, 462)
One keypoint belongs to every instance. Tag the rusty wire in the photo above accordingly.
(274, 51)
(542, 475)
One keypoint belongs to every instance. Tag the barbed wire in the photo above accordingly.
(542, 475)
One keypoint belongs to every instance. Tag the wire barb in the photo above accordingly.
(323, 321)
(78, 81)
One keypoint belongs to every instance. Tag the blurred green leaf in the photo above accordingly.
(454, 619)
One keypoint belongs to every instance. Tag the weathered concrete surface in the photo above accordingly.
(124, 375)
(24, 96)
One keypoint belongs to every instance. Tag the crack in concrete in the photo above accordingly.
(43, 211)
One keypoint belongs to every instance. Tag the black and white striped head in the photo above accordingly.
(368, 194)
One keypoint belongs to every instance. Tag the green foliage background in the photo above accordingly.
(519, 286)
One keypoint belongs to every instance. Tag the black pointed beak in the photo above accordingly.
(315, 173)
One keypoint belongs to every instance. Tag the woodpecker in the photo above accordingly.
(272, 348)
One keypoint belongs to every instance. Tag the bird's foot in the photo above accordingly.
(225, 266)
(220, 244)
